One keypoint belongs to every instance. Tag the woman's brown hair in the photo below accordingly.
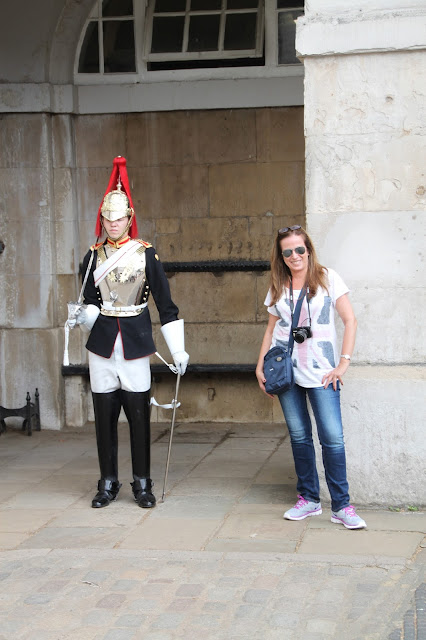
(281, 274)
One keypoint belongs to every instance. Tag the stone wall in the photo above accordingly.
(30, 280)
(206, 185)
(365, 140)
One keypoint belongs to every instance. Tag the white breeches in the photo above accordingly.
(109, 374)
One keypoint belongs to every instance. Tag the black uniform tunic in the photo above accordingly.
(136, 331)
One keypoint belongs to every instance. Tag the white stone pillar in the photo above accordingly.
(365, 127)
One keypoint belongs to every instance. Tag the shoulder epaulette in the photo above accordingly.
(96, 246)
(147, 245)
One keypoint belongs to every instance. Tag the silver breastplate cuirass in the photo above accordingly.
(123, 286)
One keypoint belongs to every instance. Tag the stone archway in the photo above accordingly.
(65, 40)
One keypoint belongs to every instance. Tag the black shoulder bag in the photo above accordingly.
(277, 364)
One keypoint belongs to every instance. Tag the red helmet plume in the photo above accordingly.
(117, 201)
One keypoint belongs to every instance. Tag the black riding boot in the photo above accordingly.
(137, 409)
(142, 491)
(107, 408)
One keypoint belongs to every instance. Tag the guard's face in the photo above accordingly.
(115, 228)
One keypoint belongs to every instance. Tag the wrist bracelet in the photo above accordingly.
(345, 356)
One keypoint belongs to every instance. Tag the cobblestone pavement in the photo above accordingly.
(215, 560)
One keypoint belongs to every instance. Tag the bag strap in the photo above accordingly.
(295, 319)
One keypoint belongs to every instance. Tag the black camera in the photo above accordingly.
(300, 334)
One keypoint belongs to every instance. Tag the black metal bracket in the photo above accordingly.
(198, 369)
(212, 266)
(30, 411)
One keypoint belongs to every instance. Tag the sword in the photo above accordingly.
(73, 309)
(83, 286)
(175, 404)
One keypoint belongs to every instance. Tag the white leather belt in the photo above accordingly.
(107, 309)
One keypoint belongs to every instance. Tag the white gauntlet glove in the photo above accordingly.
(173, 333)
(85, 316)
(181, 359)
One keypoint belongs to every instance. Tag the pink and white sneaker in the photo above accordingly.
(303, 509)
(348, 517)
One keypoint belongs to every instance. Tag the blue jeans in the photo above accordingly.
(325, 405)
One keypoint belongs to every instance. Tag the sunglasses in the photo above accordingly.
(293, 228)
(300, 250)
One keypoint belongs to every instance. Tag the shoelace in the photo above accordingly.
(350, 511)
(300, 503)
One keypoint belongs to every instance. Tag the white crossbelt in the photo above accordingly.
(115, 261)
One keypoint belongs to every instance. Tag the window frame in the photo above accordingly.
(96, 15)
(270, 69)
(221, 53)
(285, 10)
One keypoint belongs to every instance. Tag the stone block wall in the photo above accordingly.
(30, 350)
(365, 208)
(206, 185)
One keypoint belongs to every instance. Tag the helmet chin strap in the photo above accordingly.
(129, 224)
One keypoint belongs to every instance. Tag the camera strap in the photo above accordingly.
(296, 315)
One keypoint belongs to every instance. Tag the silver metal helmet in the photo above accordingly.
(115, 205)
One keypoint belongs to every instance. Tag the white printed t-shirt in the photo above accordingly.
(318, 355)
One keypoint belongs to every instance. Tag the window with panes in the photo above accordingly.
(184, 34)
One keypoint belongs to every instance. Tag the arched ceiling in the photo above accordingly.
(65, 40)
(39, 39)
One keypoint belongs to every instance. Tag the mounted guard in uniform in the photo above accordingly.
(120, 274)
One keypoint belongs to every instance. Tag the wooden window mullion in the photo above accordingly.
(101, 38)
(260, 26)
(186, 27)
(222, 27)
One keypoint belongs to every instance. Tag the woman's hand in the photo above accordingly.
(335, 375)
(261, 380)
(345, 311)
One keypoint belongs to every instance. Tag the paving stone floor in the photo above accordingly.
(214, 560)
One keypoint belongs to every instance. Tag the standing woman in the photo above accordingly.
(318, 369)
